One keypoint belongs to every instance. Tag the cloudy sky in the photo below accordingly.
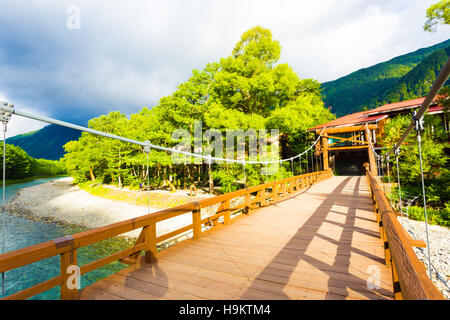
(123, 55)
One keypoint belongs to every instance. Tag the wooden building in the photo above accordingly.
(344, 145)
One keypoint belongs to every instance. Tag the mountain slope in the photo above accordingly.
(381, 83)
(46, 143)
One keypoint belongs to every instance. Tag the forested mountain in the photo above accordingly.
(46, 143)
(405, 77)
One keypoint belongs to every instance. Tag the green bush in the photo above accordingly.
(439, 217)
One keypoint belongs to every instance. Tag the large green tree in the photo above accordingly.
(246, 90)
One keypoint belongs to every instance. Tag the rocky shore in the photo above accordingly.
(64, 202)
(439, 248)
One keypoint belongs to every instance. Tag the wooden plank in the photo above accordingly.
(34, 290)
(346, 129)
(173, 233)
(111, 258)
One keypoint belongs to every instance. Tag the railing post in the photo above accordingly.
(387, 252)
(196, 222)
(150, 241)
(263, 197)
(275, 192)
(227, 214)
(247, 202)
(70, 278)
(396, 283)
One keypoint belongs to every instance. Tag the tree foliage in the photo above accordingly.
(246, 90)
(405, 77)
(18, 164)
(438, 13)
(435, 159)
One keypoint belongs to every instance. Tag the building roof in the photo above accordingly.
(375, 115)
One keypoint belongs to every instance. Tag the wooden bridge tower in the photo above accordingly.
(358, 140)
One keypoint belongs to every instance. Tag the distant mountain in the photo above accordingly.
(405, 77)
(46, 143)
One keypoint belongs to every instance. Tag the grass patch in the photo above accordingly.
(139, 198)
(439, 217)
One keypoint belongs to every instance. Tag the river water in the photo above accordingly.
(22, 232)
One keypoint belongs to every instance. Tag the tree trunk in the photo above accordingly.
(92, 174)
(211, 182)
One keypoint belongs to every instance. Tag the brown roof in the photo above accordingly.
(373, 115)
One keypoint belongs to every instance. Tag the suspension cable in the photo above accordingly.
(300, 164)
(307, 161)
(171, 150)
(382, 175)
(389, 181)
(419, 128)
(267, 175)
(147, 151)
(397, 153)
(5, 117)
(245, 178)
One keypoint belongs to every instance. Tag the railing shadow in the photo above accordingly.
(308, 231)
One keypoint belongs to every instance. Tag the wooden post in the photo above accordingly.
(325, 152)
(372, 162)
(69, 290)
(387, 252)
(227, 214)
(247, 202)
(150, 241)
(196, 222)
(263, 197)
(275, 192)
(395, 281)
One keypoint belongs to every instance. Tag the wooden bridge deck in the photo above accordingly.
(321, 244)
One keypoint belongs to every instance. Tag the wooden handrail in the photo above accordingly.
(409, 273)
(67, 246)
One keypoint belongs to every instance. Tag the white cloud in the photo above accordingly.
(18, 124)
(131, 53)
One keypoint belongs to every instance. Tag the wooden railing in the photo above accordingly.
(409, 274)
(66, 247)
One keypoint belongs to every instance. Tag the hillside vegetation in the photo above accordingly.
(19, 165)
(405, 77)
(46, 143)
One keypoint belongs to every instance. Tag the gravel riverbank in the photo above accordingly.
(62, 201)
(439, 248)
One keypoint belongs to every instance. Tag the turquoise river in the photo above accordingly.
(23, 232)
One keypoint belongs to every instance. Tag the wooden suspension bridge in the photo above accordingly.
(312, 236)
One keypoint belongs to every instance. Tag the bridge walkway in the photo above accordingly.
(323, 243)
